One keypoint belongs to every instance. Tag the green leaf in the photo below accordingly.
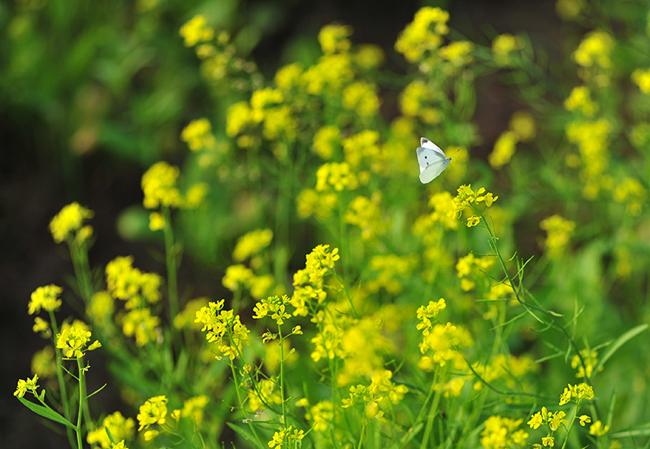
(248, 436)
(620, 341)
(46, 412)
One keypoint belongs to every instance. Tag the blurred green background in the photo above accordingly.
(93, 93)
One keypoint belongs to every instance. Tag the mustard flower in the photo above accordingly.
(44, 363)
(459, 54)
(156, 221)
(369, 56)
(598, 429)
(196, 30)
(195, 195)
(121, 428)
(558, 231)
(424, 34)
(379, 396)
(24, 385)
(288, 76)
(73, 341)
(238, 117)
(425, 313)
(141, 324)
(327, 343)
(466, 197)
(331, 73)
(186, 318)
(275, 306)
(537, 419)
(70, 219)
(590, 359)
(504, 149)
(223, 328)
(390, 269)
(367, 215)
(325, 141)
(120, 445)
(320, 416)
(46, 297)
(338, 177)
(251, 244)
(311, 202)
(578, 393)
(548, 441)
(642, 79)
(584, 420)
(445, 341)
(523, 125)
(580, 99)
(130, 284)
(286, 438)
(237, 277)
(319, 261)
(41, 326)
(500, 432)
(198, 135)
(363, 145)
(502, 47)
(159, 186)
(153, 411)
(594, 50)
(362, 98)
(334, 38)
(193, 409)
(631, 193)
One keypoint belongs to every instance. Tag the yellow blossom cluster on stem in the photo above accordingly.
(500, 432)
(391, 269)
(223, 328)
(503, 46)
(424, 34)
(591, 137)
(198, 135)
(522, 128)
(378, 397)
(74, 341)
(469, 198)
(70, 220)
(580, 99)
(443, 343)
(558, 232)
(120, 428)
(127, 283)
(366, 214)
(160, 189)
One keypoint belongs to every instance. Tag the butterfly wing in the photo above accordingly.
(432, 161)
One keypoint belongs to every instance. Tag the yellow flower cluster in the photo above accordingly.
(326, 140)
(423, 35)
(417, 100)
(223, 328)
(632, 193)
(502, 47)
(389, 270)
(336, 176)
(129, 284)
(310, 202)
(44, 363)
(569, 9)
(196, 30)
(119, 427)
(46, 298)
(378, 397)
(70, 219)
(642, 79)
(592, 140)
(594, 50)
(522, 128)
(193, 409)
(558, 232)
(320, 415)
(153, 411)
(426, 313)
(273, 306)
(287, 437)
(580, 99)
(444, 341)
(198, 135)
(366, 214)
(334, 39)
(507, 367)
(500, 432)
(141, 324)
(251, 244)
(577, 393)
(24, 385)
(590, 358)
(469, 198)
(73, 341)
(159, 186)
(308, 282)
(362, 98)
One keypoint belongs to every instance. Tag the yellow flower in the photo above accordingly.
(457, 53)
(24, 385)
(598, 429)
(141, 324)
(595, 49)
(46, 297)
(334, 38)
(580, 99)
(548, 441)
(251, 244)
(584, 420)
(288, 76)
(237, 277)
(193, 408)
(153, 411)
(367, 215)
(120, 428)
(73, 340)
(198, 135)
(504, 149)
(156, 221)
(69, 219)
(101, 307)
(569, 9)
(195, 194)
(423, 34)
(558, 231)
(44, 363)
(336, 176)
(500, 432)
(425, 313)
(159, 186)
(239, 115)
(362, 98)
(196, 30)
(502, 46)
(369, 56)
(325, 141)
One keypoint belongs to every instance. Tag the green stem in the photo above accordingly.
(433, 411)
(284, 406)
(573, 420)
(82, 398)
(81, 267)
(241, 403)
(170, 257)
(61, 379)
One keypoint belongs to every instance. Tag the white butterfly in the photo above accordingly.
(432, 160)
